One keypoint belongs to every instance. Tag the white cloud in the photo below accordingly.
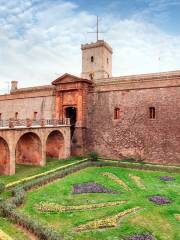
(37, 42)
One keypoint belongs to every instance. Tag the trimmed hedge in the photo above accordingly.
(8, 208)
(2, 187)
(40, 229)
(151, 167)
(9, 185)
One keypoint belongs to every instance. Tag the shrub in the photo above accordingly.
(8, 209)
(93, 156)
(2, 187)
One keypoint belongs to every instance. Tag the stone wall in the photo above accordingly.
(135, 134)
(25, 106)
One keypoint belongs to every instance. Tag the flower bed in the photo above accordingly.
(141, 237)
(90, 188)
(13, 184)
(38, 228)
(53, 207)
(138, 181)
(106, 222)
(159, 200)
(167, 178)
(116, 179)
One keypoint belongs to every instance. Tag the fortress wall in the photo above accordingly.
(26, 106)
(135, 134)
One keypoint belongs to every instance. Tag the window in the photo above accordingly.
(152, 113)
(91, 75)
(0, 116)
(16, 116)
(92, 59)
(107, 60)
(35, 115)
(116, 113)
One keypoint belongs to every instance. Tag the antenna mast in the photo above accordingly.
(97, 29)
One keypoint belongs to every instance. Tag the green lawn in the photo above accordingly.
(12, 230)
(23, 171)
(158, 220)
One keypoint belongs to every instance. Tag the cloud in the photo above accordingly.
(41, 39)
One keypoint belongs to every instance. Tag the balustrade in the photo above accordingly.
(27, 123)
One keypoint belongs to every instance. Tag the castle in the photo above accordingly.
(118, 117)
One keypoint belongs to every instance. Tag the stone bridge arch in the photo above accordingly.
(15, 145)
(55, 145)
(4, 157)
(29, 149)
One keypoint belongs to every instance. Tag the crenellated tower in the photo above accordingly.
(96, 60)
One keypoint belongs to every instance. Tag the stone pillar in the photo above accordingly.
(67, 142)
(43, 151)
(12, 160)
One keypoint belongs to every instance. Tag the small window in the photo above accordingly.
(35, 115)
(152, 113)
(91, 75)
(0, 116)
(107, 60)
(92, 59)
(116, 113)
(16, 116)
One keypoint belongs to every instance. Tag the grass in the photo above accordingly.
(23, 171)
(158, 220)
(12, 230)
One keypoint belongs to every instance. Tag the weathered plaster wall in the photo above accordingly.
(26, 106)
(135, 134)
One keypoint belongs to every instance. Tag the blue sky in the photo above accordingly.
(40, 39)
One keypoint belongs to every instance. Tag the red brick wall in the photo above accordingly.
(134, 134)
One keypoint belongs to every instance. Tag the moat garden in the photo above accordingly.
(81, 199)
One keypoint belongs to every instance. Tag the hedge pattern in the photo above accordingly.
(41, 229)
(38, 228)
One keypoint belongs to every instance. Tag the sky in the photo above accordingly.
(41, 39)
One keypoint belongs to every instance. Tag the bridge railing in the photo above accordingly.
(27, 123)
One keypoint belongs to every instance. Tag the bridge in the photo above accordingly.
(30, 142)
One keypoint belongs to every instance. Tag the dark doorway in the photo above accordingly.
(71, 113)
